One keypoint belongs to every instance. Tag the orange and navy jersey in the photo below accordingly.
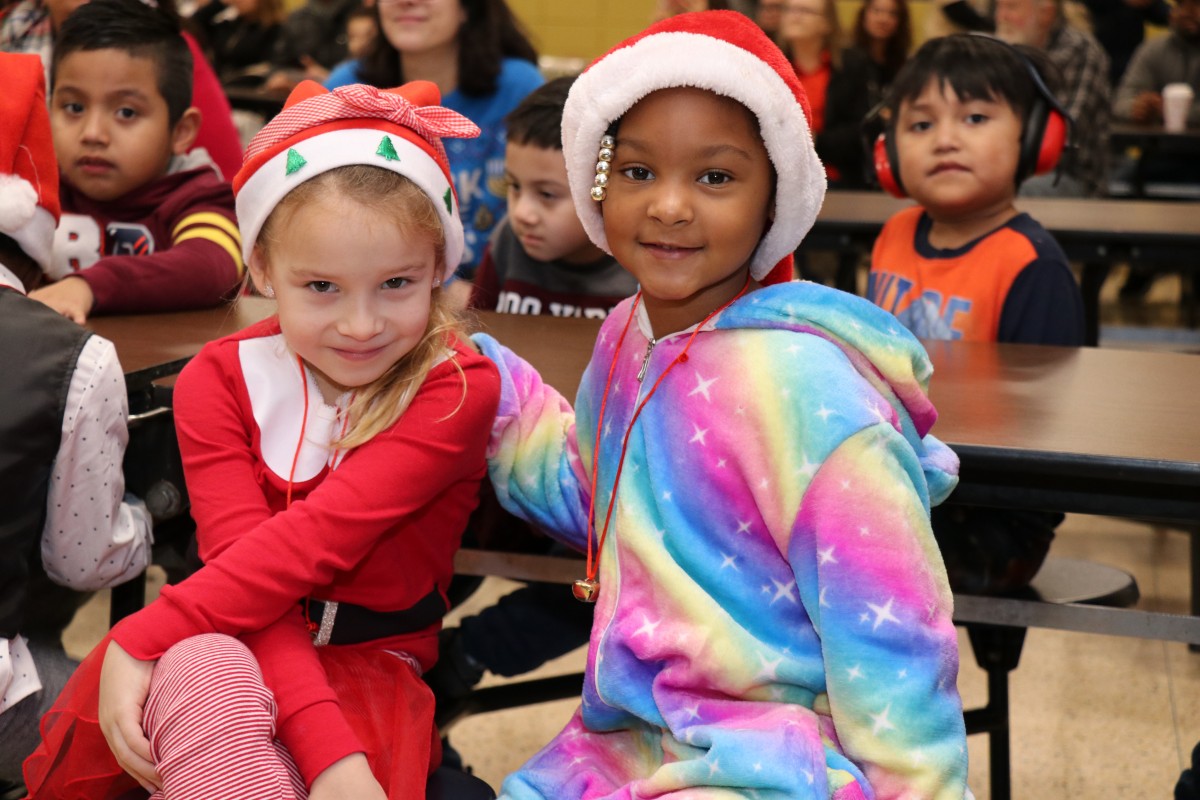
(1010, 285)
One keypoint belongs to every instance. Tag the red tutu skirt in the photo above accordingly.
(386, 704)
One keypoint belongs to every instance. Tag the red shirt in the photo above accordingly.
(378, 531)
(815, 86)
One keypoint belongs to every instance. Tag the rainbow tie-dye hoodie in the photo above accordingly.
(774, 619)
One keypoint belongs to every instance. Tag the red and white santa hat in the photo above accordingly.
(29, 207)
(725, 53)
(318, 130)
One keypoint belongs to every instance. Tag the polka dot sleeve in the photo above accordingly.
(95, 535)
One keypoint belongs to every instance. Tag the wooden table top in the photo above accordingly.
(152, 346)
(1105, 407)
(1120, 133)
(1126, 415)
(1117, 221)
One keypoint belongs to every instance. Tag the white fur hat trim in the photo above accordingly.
(612, 85)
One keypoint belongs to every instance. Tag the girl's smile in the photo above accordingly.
(689, 199)
(353, 289)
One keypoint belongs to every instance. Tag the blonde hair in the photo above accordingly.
(377, 406)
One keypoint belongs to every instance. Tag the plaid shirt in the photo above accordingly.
(1084, 93)
(25, 28)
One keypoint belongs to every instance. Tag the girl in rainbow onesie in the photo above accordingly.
(333, 453)
(748, 466)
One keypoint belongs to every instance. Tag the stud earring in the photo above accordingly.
(603, 167)
(269, 291)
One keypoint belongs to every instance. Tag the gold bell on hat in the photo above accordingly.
(586, 590)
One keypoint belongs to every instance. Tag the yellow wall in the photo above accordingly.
(581, 28)
(587, 28)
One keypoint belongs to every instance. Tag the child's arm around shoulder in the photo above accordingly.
(534, 458)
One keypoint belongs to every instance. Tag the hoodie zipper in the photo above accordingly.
(646, 359)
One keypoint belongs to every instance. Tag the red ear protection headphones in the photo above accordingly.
(1043, 139)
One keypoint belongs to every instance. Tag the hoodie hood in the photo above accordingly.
(882, 350)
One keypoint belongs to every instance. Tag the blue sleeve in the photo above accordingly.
(1043, 306)
(343, 74)
(519, 79)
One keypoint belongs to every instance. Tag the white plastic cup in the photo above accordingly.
(1177, 100)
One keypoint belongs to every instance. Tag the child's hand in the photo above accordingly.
(124, 686)
(347, 777)
(71, 297)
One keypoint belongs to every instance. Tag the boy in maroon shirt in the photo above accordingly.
(539, 260)
(144, 227)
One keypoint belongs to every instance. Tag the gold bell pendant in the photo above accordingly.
(586, 590)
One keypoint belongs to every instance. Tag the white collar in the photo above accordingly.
(7, 278)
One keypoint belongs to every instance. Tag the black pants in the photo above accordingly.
(992, 551)
(527, 627)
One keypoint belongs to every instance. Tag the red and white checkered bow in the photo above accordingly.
(364, 102)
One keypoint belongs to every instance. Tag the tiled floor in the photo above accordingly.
(1093, 717)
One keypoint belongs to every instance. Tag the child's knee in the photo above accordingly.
(211, 681)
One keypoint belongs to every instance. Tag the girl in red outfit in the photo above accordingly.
(332, 453)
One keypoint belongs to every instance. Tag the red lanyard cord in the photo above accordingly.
(312, 626)
(303, 426)
(593, 553)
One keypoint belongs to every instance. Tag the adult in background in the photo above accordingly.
(1120, 26)
(1174, 58)
(1083, 68)
(313, 41)
(883, 30)
(240, 36)
(483, 64)
(768, 13)
(837, 82)
(29, 26)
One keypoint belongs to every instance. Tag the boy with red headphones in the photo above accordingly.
(968, 119)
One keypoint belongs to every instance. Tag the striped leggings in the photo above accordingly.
(210, 720)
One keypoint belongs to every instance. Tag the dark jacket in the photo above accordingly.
(847, 101)
(38, 353)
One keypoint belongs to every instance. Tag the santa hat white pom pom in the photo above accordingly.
(18, 200)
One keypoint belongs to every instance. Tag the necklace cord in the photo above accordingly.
(593, 563)
(312, 626)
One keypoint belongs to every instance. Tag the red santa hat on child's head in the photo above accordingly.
(28, 170)
(725, 53)
(318, 130)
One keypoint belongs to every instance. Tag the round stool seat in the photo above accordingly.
(1072, 580)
